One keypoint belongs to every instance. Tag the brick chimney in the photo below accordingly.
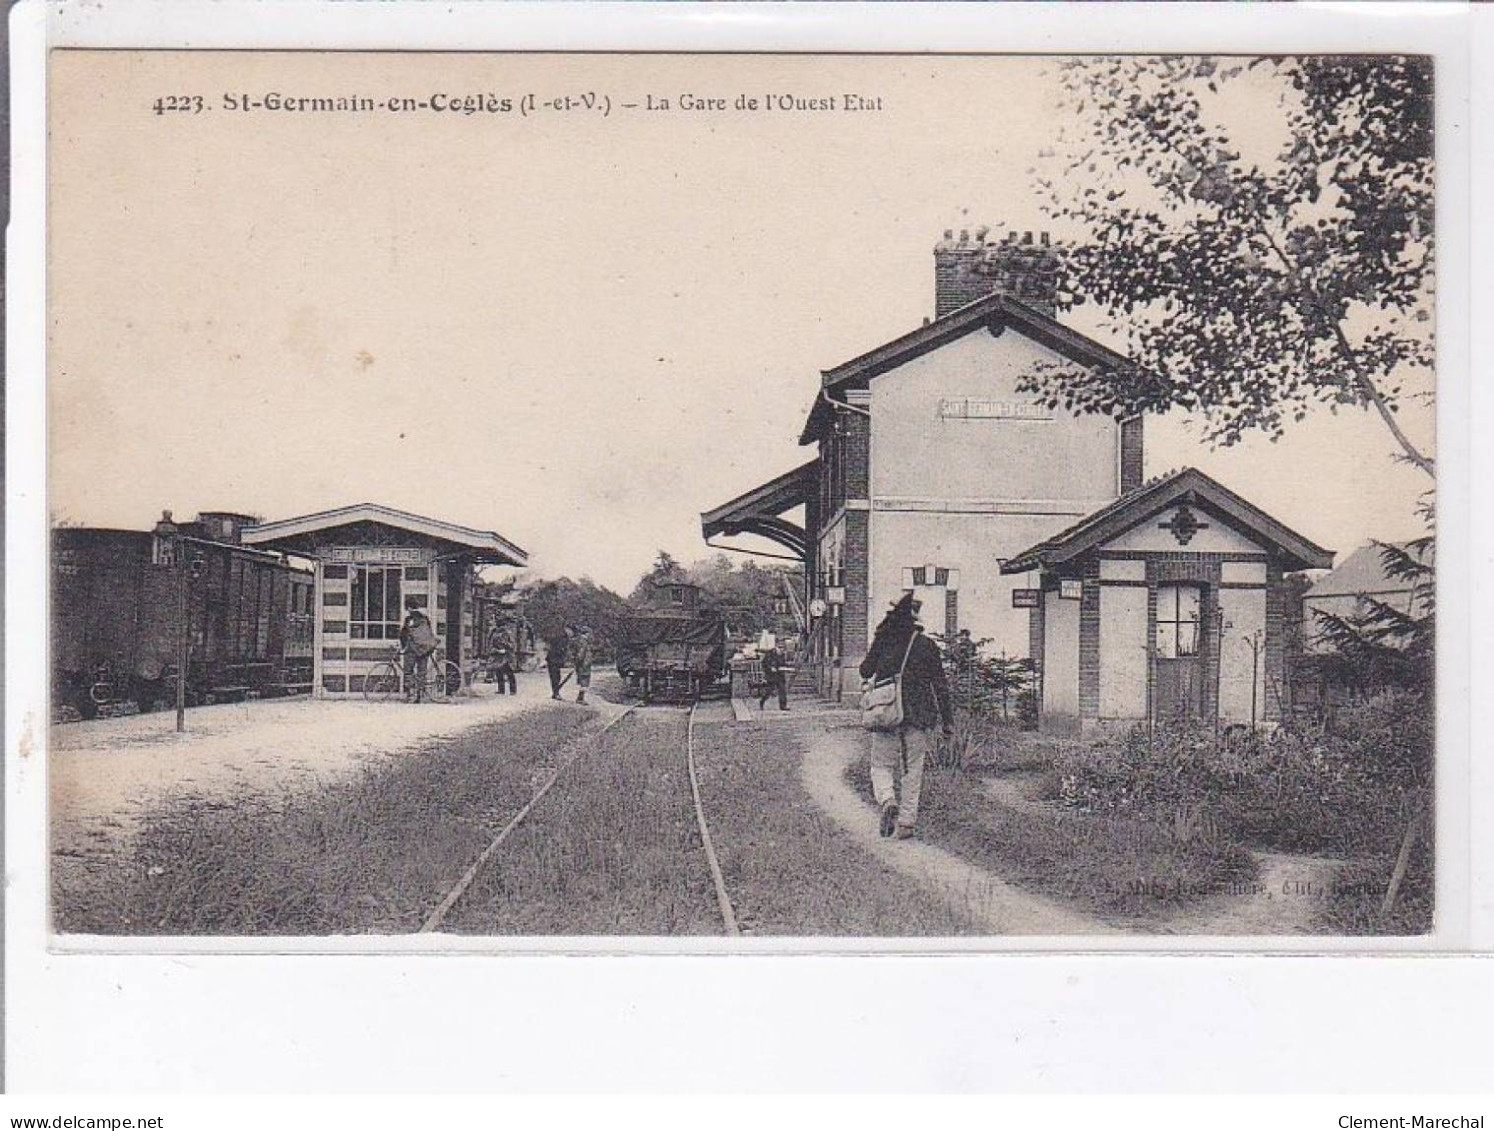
(970, 267)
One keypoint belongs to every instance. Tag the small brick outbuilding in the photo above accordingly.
(1166, 604)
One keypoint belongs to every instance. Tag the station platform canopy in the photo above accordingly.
(760, 511)
(371, 524)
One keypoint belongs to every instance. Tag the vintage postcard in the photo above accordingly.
(930, 500)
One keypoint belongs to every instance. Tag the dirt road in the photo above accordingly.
(999, 907)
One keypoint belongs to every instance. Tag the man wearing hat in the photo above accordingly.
(417, 641)
(774, 677)
(900, 646)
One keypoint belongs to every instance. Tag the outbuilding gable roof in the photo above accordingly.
(296, 535)
(1135, 507)
(994, 312)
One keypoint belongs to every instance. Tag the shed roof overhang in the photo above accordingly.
(302, 536)
(993, 313)
(760, 511)
(1188, 485)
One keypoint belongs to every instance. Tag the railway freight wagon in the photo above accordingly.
(670, 648)
(116, 616)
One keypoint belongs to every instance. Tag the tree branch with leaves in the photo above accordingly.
(1260, 234)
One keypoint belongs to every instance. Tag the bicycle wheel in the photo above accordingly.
(443, 679)
(382, 683)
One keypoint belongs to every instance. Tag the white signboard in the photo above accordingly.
(377, 555)
(971, 408)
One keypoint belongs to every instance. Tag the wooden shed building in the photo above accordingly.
(372, 563)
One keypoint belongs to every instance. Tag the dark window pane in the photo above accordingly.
(391, 594)
(360, 595)
(374, 583)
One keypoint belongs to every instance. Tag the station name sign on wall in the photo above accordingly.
(380, 555)
(973, 408)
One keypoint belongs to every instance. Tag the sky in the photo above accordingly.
(577, 330)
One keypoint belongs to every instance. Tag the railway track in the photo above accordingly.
(438, 915)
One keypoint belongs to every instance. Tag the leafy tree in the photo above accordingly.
(1251, 282)
(551, 605)
(749, 594)
(666, 568)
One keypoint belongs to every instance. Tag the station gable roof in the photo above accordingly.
(364, 521)
(1188, 485)
(759, 511)
(995, 313)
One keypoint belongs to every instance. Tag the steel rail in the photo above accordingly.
(723, 901)
(433, 920)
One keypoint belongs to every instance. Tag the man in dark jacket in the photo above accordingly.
(501, 660)
(555, 655)
(925, 705)
(775, 679)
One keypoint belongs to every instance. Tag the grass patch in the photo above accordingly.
(789, 869)
(1113, 867)
(371, 854)
(612, 850)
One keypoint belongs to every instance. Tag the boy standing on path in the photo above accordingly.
(581, 660)
(925, 703)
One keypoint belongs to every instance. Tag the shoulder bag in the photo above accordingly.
(882, 700)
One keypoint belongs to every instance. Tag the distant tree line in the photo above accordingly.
(750, 596)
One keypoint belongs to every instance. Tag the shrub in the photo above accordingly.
(1347, 791)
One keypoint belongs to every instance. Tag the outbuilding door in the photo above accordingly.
(1178, 671)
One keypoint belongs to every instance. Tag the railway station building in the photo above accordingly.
(936, 472)
(371, 563)
(932, 465)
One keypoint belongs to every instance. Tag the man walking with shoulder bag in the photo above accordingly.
(906, 696)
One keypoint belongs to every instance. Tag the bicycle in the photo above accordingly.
(386, 680)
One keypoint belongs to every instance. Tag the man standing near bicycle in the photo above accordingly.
(501, 660)
(417, 642)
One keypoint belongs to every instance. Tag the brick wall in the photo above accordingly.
(1089, 643)
(968, 268)
(956, 282)
(857, 455)
(854, 614)
(1278, 693)
(1132, 455)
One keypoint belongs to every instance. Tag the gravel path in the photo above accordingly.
(999, 907)
(1282, 900)
(104, 772)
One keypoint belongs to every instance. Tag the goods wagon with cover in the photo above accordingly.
(669, 647)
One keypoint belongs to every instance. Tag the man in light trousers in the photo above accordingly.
(900, 645)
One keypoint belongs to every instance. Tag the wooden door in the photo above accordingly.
(1178, 671)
